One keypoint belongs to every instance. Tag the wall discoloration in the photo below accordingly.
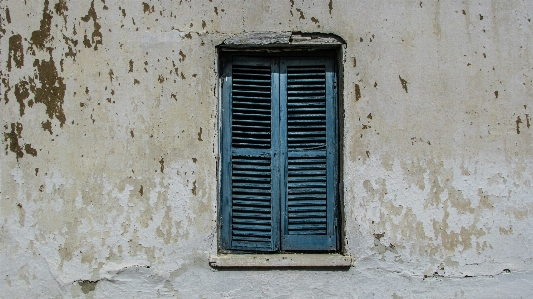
(96, 35)
(41, 36)
(12, 140)
(16, 52)
(110, 135)
(51, 91)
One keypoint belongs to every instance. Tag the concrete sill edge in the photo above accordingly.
(279, 260)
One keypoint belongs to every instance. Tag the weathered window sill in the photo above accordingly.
(280, 261)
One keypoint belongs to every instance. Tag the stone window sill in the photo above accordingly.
(280, 261)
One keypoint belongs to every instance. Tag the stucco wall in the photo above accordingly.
(110, 146)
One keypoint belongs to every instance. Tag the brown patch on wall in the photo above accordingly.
(505, 231)
(7, 88)
(147, 8)
(52, 90)
(330, 5)
(60, 8)
(518, 122)
(162, 165)
(183, 56)
(131, 66)
(315, 20)
(47, 126)
(404, 83)
(527, 121)
(22, 93)
(141, 190)
(302, 16)
(8, 16)
(357, 92)
(200, 135)
(96, 37)
(71, 43)
(16, 52)
(193, 190)
(13, 138)
(39, 37)
(30, 150)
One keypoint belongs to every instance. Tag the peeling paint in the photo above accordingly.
(16, 52)
(404, 84)
(51, 91)
(96, 35)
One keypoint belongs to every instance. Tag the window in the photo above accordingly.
(279, 152)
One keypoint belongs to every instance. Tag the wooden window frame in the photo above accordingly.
(279, 235)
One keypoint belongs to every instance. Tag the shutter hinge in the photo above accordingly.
(335, 84)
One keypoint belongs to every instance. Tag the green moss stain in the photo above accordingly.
(87, 286)
(96, 36)
(39, 37)
(16, 52)
(51, 93)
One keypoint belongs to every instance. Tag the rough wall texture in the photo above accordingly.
(110, 146)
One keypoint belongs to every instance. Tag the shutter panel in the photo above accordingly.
(248, 206)
(309, 133)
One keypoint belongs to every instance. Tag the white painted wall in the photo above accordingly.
(109, 170)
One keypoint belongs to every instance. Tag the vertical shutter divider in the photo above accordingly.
(276, 151)
(225, 159)
(283, 144)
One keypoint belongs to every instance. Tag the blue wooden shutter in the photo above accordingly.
(309, 154)
(249, 204)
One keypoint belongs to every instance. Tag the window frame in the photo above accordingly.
(332, 54)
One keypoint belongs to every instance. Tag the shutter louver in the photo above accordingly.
(251, 201)
(252, 225)
(306, 210)
(251, 113)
